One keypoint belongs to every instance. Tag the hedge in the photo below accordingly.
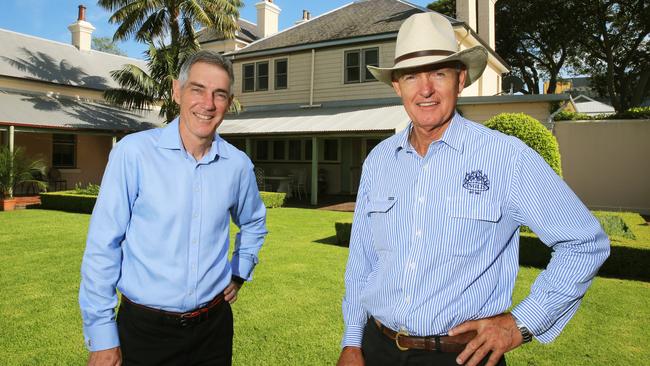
(343, 232)
(632, 113)
(532, 133)
(82, 203)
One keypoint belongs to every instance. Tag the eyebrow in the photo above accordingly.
(194, 83)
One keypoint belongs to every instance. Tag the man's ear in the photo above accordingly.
(462, 76)
(176, 91)
(397, 88)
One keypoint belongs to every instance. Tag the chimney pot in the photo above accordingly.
(304, 14)
(82, 13)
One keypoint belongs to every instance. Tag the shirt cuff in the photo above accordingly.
(532, 315)
(101, 337)
(243, 265)
(352, 336)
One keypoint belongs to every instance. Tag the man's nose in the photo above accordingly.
(426, 87)
(207, 101)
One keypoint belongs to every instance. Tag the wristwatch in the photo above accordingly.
(525, 333)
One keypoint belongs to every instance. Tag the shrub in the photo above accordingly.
(90, 190)
(614, 225)
(68, 201)
(273, 199)
(343, 232)
(633, 113)
(570, 116)
(532, 133)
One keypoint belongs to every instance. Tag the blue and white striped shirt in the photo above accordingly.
(435, 239)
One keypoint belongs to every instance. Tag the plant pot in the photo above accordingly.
(8, 204)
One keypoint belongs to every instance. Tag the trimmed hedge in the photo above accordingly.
(532, 133)
(343, 232)
(273, 199)
(632, 113)
(68, 201)
(82, 203)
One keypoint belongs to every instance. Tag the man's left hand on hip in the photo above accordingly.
(230, 293)
(498, 334)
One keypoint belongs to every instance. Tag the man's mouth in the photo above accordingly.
(204, 117)
(427, 104)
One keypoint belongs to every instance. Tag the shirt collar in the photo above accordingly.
(170, 138)
(453, 136)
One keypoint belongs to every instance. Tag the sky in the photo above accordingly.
(49, 19)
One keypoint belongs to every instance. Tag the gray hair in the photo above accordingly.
(209, 57)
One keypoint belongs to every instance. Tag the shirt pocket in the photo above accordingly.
(472, 224)
(381, 212)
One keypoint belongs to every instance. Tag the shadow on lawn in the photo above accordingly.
(623, 262)
(330, 240)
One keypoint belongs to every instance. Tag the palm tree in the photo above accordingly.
(171, 19)
(17, 168)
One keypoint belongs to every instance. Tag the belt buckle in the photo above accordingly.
(188, 318)
(404, 333)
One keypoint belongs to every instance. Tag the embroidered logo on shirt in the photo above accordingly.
(476, 182)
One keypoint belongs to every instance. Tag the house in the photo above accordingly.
(591, 107)
(52, 104)
(311, 110)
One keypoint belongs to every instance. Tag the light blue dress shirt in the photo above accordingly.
(435, 239)
(160, 229)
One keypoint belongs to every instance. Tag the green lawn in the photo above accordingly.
(289, 315)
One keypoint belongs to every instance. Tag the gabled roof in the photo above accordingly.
(354, 20)
(40, 110)
(28, 57)
(584, 104)
(247, 32)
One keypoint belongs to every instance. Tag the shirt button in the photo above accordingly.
(190, 292)
(407, 299)
(194, 241)
(196, 214)
(425, 167)
(412, 265)
(418, 232)
(421, 199)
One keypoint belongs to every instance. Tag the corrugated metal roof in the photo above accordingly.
(34, 58)
(317, 121)
(48, 111)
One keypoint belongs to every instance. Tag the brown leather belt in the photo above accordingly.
(181, 319)
(403, 341)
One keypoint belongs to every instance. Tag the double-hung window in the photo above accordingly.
(255, 76)
(281, 74)
(356, 62)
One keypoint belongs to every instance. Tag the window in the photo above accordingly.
(356, 62)
(262, 150)
(295, 149)
(281, 74)
(331, 148)
(240, 144)
(370, 144)
(248, 78)
(262, 77)
(64, 149)
(278, 150)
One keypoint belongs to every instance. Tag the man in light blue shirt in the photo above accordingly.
(435, 240)
(159, 234)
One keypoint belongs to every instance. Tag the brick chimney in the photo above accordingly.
(305, 17)
(267, 18)
(478, 15)
(81, 31)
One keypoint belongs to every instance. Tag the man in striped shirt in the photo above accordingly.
(435, 240)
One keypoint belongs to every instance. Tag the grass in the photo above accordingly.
(289, 315)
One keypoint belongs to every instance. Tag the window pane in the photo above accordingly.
(248, 83)
(240, 144)
(307, 149)
(281, 74)
(352, 75)
(294, 149)
(352, 59)
(278, 150)
(281, 66)
(64, 148)
(262, 150)
(371, 57)
(370, 144)
(263, 76)
(331, 150)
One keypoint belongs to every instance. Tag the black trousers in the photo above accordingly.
(379, 350)
(145, 339)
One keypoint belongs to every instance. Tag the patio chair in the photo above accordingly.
(299, 185)
(259, 178)
(55, 182)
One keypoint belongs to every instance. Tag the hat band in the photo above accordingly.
(422, 54)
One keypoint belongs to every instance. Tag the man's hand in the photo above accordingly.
(230, 293)
(351, 356)
(107, 357)
(498, 334)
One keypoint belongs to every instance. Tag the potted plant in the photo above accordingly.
(16, 168)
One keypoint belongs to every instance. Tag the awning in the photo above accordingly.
(312, 121)
(51, 111)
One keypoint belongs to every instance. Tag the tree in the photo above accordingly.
(169, 21)
(537, 38)
(615, 47)
(444, 7)
(106, 44)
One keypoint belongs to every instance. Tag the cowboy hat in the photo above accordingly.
(428, 39)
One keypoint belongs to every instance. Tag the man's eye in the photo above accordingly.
(221, 96)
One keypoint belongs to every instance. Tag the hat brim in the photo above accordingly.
(474, 59)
